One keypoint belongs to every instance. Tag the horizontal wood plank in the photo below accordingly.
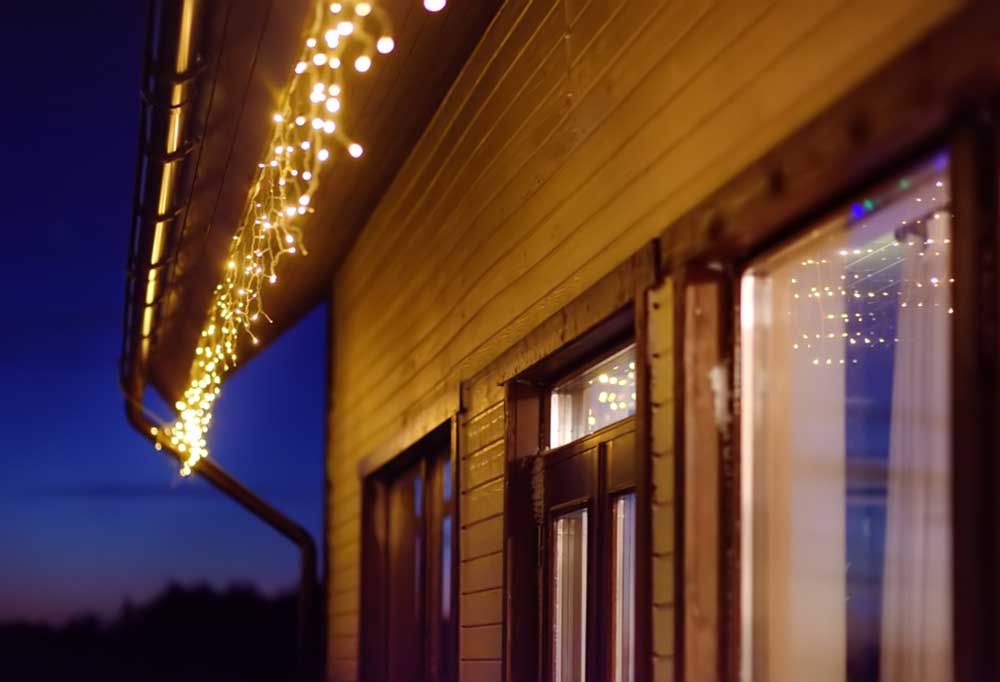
(482, 608)
(481, 642)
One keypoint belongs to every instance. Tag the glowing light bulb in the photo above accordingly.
(345, 28)
(355, 150)
(335, 63)
(363, 63)
(301, 67)
(311, 42)
(278, 118)
(329, 127)
(307, 176)
(434, 5)
(333, 105)
(319, 59)
(323, 154)
(300, 120)
(336, 8)
(385, 45)
(362, 9)
(334, 90)
(317, 123)
(332, 38)
(305, 144)
(304, 200)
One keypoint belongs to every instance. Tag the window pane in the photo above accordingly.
(846, 427)
(597, 397)
(623, 577)
(569, 597)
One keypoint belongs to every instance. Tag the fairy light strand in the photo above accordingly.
(306, 133)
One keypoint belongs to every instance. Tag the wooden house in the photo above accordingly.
(627, 377)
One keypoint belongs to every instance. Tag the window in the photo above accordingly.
(846, 452)
(623, 588)
(408, 605)
(569, 597)
(596, 397)
(589, 529)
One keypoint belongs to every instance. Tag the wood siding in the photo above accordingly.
(575, 134)
(480, 551)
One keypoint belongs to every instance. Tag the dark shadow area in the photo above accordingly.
(185, 633)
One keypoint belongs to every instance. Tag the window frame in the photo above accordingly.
(972, 138)
(529, 400)
(373, 639)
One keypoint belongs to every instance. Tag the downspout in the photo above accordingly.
(232, 488)
(167, 102)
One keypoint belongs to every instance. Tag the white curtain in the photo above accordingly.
(798, 418)
(916, 608)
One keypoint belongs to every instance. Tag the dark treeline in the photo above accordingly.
(185, 633)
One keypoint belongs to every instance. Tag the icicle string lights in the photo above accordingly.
(307, 132)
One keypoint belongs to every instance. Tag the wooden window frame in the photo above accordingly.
(886, 124)
(374, 581)
(528, 405)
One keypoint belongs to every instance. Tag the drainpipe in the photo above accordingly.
(232, 488)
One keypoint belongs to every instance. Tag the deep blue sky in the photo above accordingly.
(89, 512)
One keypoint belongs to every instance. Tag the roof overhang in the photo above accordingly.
(205, 127)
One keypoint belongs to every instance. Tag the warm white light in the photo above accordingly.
(434, 5)
(287, 178)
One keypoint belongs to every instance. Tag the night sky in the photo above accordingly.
(90, 514)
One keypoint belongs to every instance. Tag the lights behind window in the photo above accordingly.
(601, 395)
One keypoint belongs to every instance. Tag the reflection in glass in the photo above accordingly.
(446, 567)
(597, 397)
(569, 597)
(846, 428)
(623, 582)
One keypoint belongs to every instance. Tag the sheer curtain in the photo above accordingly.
(797, 411)
(916, 608)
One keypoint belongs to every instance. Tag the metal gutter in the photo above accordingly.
(170, 77)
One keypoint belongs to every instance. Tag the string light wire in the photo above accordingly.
(306, 133)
